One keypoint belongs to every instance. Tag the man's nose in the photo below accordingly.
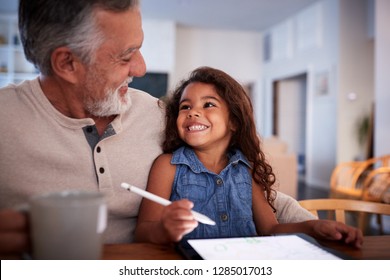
(138, 66)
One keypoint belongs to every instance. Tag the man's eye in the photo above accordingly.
(126, 58)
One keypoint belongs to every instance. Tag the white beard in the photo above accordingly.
(112, 104)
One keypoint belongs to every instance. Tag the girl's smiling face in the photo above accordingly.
(203, 121)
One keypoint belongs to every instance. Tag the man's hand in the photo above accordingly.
(14, 238)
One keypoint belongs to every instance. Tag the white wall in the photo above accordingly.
(159, 45)
(382, 80)
(179, 50)
(328, 39)
(237, 53)
(356, 77)
(311, 40)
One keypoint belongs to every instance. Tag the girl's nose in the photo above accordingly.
(193, 113)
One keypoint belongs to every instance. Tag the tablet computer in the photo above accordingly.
(276, 247)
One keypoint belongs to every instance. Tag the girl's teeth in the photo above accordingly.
(197, 127)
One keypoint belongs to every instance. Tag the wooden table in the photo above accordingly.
(374, 248)
(140, 251)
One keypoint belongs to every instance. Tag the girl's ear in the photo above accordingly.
(232, 126)
(66, 65)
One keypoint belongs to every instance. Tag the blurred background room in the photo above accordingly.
(316, 71)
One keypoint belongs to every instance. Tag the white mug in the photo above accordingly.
(68, 225)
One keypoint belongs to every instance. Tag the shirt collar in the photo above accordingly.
(187, 156)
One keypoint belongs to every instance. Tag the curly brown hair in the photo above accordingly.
(244, 138)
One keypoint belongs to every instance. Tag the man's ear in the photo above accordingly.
(65, 64)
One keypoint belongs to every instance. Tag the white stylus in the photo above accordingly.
(197, 216)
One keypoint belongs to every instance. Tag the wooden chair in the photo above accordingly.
(347, 179)
(376, 185)
(341, 206)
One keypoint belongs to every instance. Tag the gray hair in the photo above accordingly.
(45, 25)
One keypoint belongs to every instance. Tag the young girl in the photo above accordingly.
(212, 163)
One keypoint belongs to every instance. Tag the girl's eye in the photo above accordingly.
(209, 104)
(184, 107)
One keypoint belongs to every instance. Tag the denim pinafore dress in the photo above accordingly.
(226, 197)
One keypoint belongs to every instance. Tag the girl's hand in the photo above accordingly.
(177, 219)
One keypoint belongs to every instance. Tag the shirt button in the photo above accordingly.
(98, 149)
(224, 217)
(89, 129)
(101, 170)
(219, 181)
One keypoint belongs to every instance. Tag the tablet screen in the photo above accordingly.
(280, 247)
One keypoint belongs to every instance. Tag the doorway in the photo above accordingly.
(289, 116)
